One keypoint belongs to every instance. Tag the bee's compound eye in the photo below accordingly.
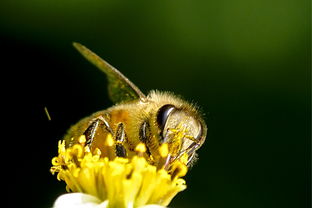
(163, 114)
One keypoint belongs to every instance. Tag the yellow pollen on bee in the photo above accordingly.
(140, 148)
(82, 139)
(163, 150)
(109, 140)
(184, 158)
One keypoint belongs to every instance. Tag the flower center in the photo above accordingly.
(124, 182)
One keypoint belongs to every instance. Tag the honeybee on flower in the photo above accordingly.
(131, 155)
(156, 119)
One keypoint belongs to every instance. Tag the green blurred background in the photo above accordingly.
(245, 62)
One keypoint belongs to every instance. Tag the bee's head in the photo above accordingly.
(182, 129)
(176, 123)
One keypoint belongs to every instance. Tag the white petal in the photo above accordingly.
(78, 200)
(152, 206)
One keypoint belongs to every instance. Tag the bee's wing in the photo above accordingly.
(120, 88)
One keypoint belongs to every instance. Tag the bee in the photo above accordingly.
(135, 118)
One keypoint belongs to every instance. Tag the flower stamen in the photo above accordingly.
(123, 182)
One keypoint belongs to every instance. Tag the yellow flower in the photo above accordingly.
(107, 181)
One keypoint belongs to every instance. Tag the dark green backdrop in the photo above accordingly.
(245, 62)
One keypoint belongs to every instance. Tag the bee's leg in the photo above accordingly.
(90, 131)
(144, 134)
(120, 137)
(93, 127)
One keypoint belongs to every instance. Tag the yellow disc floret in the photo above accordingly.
(123, 182)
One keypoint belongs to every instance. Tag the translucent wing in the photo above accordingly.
(120, 88)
